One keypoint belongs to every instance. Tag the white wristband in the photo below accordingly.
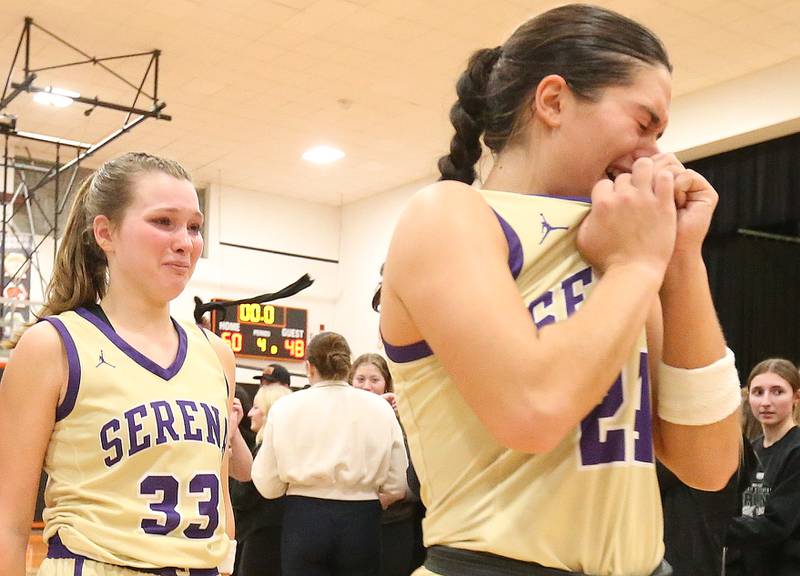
(699, 396)
(226, 566)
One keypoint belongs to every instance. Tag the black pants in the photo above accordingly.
(397, 548)
(419, 546)
(331, 537)
(260, 553)
(458, 562)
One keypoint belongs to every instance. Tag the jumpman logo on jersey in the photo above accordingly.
(547, 228)
(103, 361)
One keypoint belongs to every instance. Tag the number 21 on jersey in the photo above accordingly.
(598, 449)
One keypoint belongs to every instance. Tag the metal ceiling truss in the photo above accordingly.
(24, 192)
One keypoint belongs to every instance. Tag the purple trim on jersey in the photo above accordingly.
(134, 354)
(407, 353)
(417, 350)
(583, 199)
(74, 368)
(78, 567)
(57, 551)
(515, 255)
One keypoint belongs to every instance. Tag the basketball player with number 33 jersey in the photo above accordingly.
(111, 435)
(126, 408)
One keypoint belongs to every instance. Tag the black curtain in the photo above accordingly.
(755, 287)
(754, 280)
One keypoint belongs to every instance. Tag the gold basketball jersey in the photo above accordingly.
(135, 457)
(592, 503)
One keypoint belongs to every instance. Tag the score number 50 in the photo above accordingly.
(232, 339)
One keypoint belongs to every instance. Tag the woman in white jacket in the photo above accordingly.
(338, 454)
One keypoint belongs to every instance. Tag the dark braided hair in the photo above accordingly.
(590, 47)
(468, 118)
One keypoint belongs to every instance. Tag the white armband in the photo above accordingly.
(699, 396)
(226, 566)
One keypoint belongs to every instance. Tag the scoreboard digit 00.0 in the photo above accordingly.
(263, 331)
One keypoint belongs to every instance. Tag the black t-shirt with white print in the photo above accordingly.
(768, 532)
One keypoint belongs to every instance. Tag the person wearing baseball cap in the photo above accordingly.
(274, 373)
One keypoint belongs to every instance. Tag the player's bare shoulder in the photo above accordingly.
(40, 341)
(445, 212)
(446, 196)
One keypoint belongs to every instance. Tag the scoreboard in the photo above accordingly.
(263, 331)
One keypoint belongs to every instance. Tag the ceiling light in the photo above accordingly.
(323, 155)
(56, 97)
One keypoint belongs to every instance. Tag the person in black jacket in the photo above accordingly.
(768, 532)
(258, 521)
(694, 524)
(695, 521)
